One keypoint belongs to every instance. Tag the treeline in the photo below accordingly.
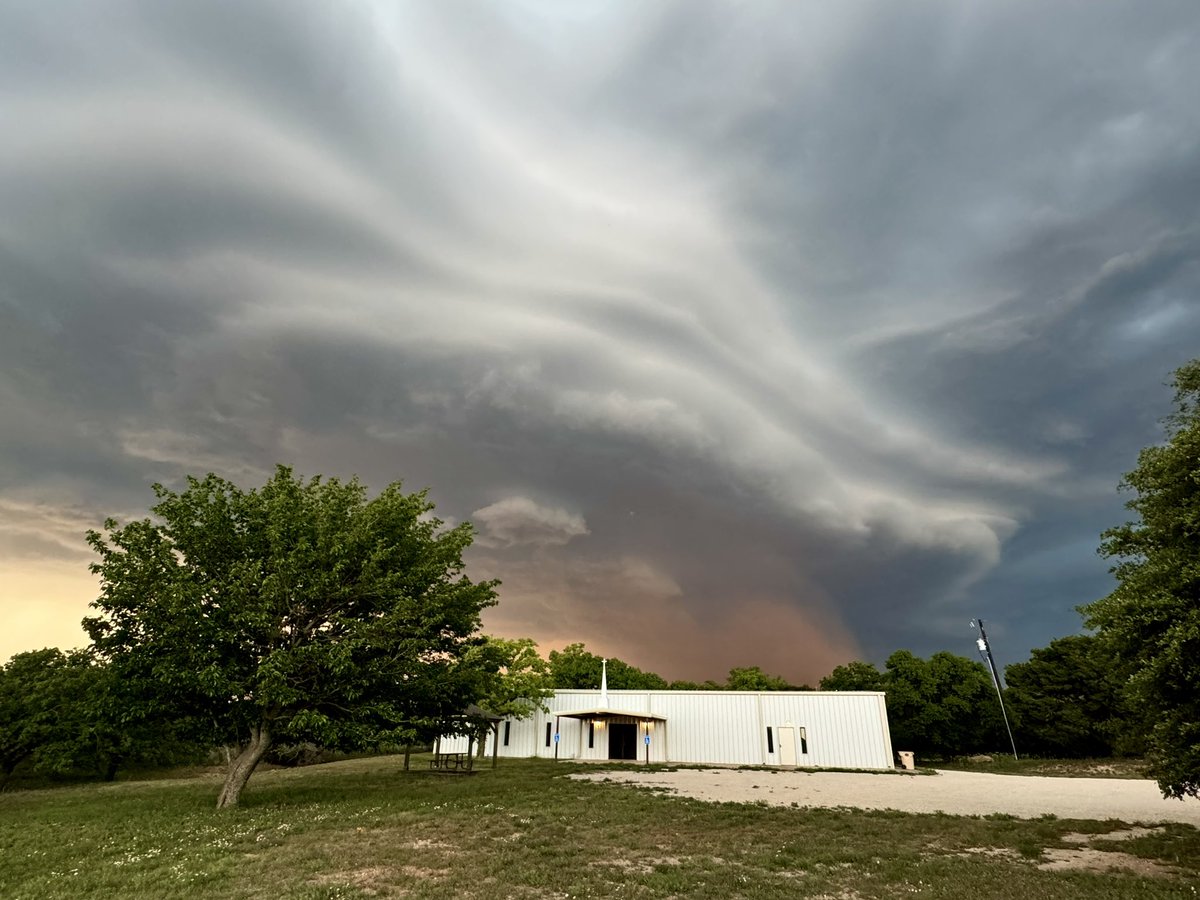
(575, 667)
(66, 715)
(69, 715)
(72, 716)
(1066, 701)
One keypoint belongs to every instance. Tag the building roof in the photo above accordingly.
(475, 711)
(606, 713)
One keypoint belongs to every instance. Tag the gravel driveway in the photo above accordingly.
(957, 793)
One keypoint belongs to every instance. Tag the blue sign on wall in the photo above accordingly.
(556, 737)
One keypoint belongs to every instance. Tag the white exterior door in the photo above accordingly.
(787, 746)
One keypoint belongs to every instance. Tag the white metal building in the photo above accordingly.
(843, 729)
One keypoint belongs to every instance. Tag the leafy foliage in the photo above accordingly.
(511, 681)
(854, 676)
(575, 667)
(752, 678)
(1067, 701)
(684, 685)
(65, 714)
(514, 680)
(945, 705)
(31, 690)
(299, 610)
(1151, 621)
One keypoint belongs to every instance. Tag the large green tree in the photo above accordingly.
(65, 714)
(31, 694)
(513, 681)
(1151, 621)
(854, 676)
(301, 609)
(1067, 700)
(101, 725)
(944, 705)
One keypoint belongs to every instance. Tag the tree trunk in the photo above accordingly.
(7, 768)
(243, 766)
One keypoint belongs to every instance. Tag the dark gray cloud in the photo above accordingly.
(772, 334)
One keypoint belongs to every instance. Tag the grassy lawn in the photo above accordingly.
(365, 828)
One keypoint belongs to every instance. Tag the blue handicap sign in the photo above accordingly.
(647, 740)
(556, 737)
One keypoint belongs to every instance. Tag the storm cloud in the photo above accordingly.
(774, 333)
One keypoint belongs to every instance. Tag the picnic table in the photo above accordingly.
(451, 762)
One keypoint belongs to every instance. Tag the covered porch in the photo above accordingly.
(615, 734)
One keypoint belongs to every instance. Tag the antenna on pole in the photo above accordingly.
(985, 652)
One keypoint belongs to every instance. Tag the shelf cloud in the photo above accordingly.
(780, 334)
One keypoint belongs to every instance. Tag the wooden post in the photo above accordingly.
(470, 750)
(495, 743)
(407, 753)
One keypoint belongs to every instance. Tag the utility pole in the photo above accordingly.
(985, 651)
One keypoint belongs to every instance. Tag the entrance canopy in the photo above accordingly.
(606, 713)
(475, 711)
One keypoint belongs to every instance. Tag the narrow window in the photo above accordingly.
(591, 735)
(507, 727)
(770, 740)
(803, 741)
(548, 734)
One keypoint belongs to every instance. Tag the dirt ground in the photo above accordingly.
(956, 793)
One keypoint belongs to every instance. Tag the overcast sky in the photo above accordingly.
(744, 332)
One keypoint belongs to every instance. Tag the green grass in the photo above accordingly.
(365, 828)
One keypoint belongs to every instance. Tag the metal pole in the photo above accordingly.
(985, 650)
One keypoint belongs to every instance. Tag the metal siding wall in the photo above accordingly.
(710, 727)
(844, 729)
(523, 739)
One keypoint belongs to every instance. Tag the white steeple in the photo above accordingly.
(604, 684)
